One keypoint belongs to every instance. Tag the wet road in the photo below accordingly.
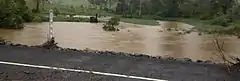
(102, 62)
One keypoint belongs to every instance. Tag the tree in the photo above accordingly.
(232, 63)
(12, 13)
(38, 6)
(203, 9)
(122, 7)
(38, 3)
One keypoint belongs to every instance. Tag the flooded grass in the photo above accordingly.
(140, 21)
(199, 25)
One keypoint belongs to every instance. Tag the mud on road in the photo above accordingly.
(103, 61)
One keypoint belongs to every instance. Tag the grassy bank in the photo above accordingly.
(140, 21)
(61, 18)
(201, 25)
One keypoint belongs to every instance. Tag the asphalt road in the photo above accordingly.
(109, 62)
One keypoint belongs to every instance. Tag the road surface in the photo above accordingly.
(38, 64)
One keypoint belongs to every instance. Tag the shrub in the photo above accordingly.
(13, 13)
(114, 21)
(109, 28)
(28, 16)
(110, 25)
(56, 11)
(94, 19)
(222, 21)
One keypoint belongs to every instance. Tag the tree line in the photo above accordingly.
(221, 11)
(203, 9)
(177, 8)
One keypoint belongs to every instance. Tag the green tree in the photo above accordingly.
(12, 13)
(38, 4)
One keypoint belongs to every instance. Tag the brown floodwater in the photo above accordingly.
(150, 40)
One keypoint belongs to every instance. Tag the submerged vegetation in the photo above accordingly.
(140, 21)
(111, 24)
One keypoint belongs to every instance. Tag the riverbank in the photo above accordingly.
(206, 26)
(104, 61)
(140, 21)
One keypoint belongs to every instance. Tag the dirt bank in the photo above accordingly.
(103, 61)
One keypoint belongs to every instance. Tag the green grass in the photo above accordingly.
(140, 21)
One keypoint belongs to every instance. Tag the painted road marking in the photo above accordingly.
(82, 71)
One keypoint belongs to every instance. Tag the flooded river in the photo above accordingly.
(151, 40)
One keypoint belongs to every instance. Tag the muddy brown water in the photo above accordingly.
(133, 38)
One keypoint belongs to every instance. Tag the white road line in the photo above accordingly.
(82, 71)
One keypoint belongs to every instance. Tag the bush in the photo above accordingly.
(12, 21)
(109, 26)
(56, 11)
(28, 16)
(34, 10)
(94, 19)
(13, 13)
(222, 21)
(114, 21)
(9, 15)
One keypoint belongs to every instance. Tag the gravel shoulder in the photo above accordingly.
(119, 63)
